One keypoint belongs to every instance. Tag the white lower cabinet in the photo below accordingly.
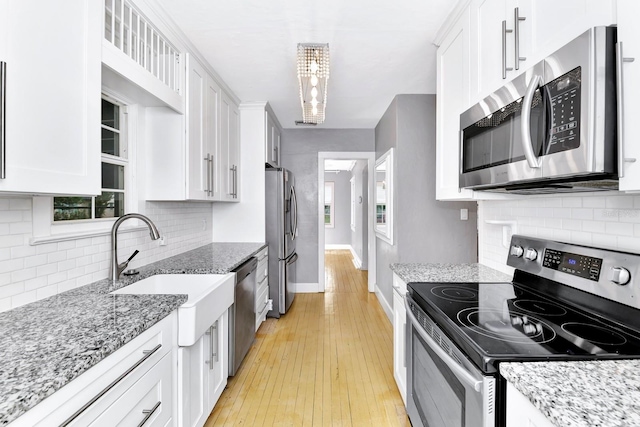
(400, 336)
(521, 412)
(132, 385)
(202, 374)
(262, 287)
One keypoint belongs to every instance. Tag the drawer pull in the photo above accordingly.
(148, 412)
(147, 354)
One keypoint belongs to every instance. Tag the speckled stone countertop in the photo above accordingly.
(439, 273)
(581, 394)
(46, 344)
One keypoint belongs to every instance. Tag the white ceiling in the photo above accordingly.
(379, 48)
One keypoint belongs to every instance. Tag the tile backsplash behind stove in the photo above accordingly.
(610, 221)
(29, 273)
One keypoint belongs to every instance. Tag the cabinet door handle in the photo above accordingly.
(213, 175)
(505, 31)
(275, 154)
(620, 60)
(3, 120)
(147, 354)
(148, 413)
(208, 180)
(516, 30)
(213, 345)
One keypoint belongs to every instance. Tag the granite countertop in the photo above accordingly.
(581, 394)
(46, 344)
(443, 273)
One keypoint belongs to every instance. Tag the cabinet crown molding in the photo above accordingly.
(457, 11)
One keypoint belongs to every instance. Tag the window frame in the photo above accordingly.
(331, 204)
(352, 183)
(45, 229)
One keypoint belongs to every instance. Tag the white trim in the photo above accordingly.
(385, 304)
(337, 246)
(370, 156)
(305, 288)
(63, 237)
(450, 21)
(357, 262)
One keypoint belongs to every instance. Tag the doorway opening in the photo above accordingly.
(345, 227)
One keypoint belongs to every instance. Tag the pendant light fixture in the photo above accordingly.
(313, 73)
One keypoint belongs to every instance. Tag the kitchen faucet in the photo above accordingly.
(116, 269)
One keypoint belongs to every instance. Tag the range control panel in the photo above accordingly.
(575, 264)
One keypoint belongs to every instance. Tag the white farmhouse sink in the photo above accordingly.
(209, 296)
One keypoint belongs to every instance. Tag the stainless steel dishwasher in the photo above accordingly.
(242, 316)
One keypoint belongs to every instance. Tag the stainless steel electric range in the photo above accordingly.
(566, 302)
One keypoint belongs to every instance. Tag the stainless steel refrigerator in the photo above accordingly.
(281, 230)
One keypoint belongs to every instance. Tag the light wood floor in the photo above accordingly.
(328, 361)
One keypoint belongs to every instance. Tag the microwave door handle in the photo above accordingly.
(525, 127)
(620, 60)
(458, 370)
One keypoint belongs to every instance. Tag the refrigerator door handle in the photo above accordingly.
(294, 231)
(293, 258)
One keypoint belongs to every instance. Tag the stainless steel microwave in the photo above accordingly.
(551, 129)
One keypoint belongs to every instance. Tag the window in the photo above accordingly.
(110, 204)
(328, 204)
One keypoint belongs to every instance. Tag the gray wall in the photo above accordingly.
(299, 153)
(340, 233)
(359, 237)
(425, 230)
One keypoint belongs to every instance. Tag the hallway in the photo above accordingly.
(326, 362)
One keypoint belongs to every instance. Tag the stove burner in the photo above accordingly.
(540, 307)
(454, 293)
(520, 328)
(594, 334)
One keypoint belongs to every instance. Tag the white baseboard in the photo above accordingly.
(337, 246)
(305, 288)
(385, 304)
(357, 262)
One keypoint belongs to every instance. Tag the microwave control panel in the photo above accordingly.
(564, 98)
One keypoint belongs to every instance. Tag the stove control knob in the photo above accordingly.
(531, 254)
(516, 251)
(620, 275)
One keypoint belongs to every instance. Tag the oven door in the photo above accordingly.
(444, 389)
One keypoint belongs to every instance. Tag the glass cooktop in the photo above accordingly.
(505, 321)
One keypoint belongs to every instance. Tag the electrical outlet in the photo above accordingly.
(163, 240)
(464, 214)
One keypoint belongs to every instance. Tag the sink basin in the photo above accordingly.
(209, 296)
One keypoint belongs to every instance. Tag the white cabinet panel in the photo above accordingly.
(229, 162)
(202, 374)
(453, 99)
(629, 38)
(521, 412)
(400, 336)
(52, 55)
(273, 135)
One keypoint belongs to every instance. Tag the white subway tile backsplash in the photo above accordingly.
(29, 273)
(611, 221)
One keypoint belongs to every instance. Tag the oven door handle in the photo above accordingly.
(458, 370)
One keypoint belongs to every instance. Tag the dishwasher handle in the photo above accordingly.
(246, 269)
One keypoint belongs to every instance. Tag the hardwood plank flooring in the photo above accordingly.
(327, 362)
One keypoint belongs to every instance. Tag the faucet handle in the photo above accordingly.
(132, 255)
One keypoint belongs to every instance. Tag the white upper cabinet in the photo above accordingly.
(229, 164)
(195, 156)
(453, 87)
(272, 143)
(531, 28)
(52, 116)
(629, 81)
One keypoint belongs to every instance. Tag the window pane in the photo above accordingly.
(110, 114)
(112, 176)
(110, 142)
(109, 205)
(71, 208)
